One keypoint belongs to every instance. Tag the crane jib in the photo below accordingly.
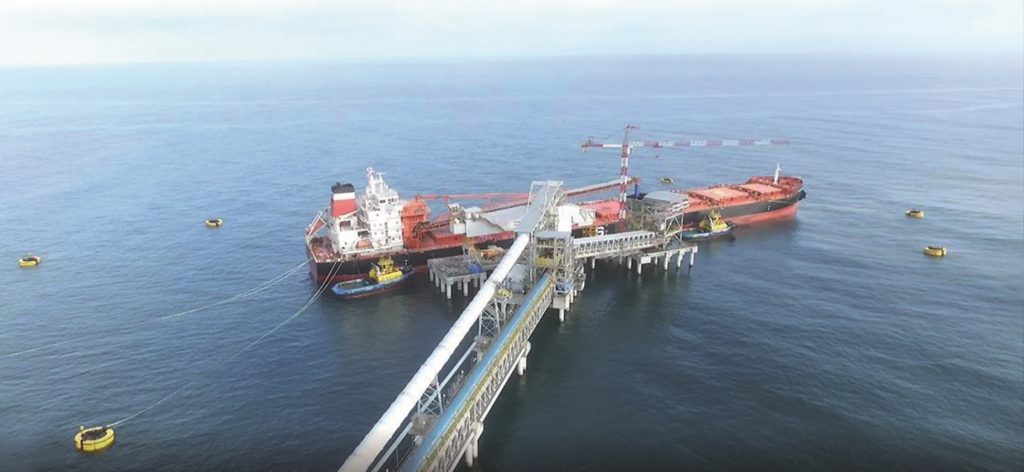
(689, 143)
(706, 143)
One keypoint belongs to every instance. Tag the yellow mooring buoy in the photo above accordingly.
(935, 251)
(96, 439)
(215, 223)
(30, 261)
(915, 213)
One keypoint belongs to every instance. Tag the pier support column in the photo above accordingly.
(664, 262)
(521, 367)
(679, 259)
(474, 442)
(639, 267)
(448, 291)
(593, 263)
(561, 317)
(629, 263)
(465, 288)
(469, 453)
(691, 258)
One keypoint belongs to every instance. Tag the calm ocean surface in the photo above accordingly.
(825, 343)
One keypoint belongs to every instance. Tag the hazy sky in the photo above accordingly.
(103, 31)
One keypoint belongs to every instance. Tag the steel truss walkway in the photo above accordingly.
(457, 432)
(618, 244)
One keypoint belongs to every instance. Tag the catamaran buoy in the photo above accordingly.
(96, 439)
(215, 223)
(30, 261)
(915, 213)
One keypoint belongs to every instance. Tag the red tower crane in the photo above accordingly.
(627, 145)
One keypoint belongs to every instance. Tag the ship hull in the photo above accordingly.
(750, 213)
(746, 213)
(342, 271)
(333, 272)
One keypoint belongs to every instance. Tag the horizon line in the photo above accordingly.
(986, 55)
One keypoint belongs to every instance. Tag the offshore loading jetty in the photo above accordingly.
(437, 419)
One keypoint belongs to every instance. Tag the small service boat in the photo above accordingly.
(383, 276)
(712, 226)
(667, 180)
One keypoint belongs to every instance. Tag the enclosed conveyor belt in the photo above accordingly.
(389, 423)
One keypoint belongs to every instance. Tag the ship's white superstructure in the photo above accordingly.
(374, 225)
(380, 212)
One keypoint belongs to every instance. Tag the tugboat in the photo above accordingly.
(712, 226)
(383, 276)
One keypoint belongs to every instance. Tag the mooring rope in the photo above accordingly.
(40, 348)
(312, 299)
(252, 291)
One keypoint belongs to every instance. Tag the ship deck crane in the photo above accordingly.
(626, 146)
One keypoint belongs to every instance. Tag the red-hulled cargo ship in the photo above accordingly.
(351, 234)
(759, 199)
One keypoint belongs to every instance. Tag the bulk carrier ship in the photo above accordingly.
(352, 233)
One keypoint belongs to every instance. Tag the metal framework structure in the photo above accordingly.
(657, 214)
(439, 417)
(458, 430)
(617, 244)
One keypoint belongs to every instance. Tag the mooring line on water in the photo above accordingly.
(309, 303)
(27, 351)
(153, 405)
(252, 291)
(312, 299)
(259, 288)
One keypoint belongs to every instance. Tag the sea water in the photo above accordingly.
(828, 342)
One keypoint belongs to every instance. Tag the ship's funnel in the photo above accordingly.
(343, 199)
